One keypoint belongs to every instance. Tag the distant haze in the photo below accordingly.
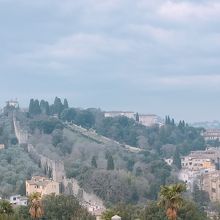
(158, 56)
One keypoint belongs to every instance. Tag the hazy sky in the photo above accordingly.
(150, 56)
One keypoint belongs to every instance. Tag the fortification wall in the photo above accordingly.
(21, 134)
(53, 168)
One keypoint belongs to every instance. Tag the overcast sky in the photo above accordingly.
(150, 56)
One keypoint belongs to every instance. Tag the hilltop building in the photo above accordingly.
(211, 134)
(144, 119)
(42, 185)
(120, 113)
(12, 103)
(150, 120)
(10, 106)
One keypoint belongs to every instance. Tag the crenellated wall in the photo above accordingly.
(54, 169)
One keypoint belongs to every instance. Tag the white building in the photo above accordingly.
(12, 103)
(120, 113)
(211, 134)
(169, 161)
(18, 200)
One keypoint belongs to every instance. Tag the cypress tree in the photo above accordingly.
(42, 106)
(177, 159)
(58, 106)
(137, 117)
(93, 162)
(110, 163)
(31, 106)
(47, 108)
(65, 104)
(37, 109)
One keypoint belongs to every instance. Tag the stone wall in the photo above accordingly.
(21, 134)
(54, 169)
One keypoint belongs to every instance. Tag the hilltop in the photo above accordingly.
(104, 154)
(101, 160)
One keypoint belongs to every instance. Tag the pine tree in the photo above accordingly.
(110, 163)
(93, 162)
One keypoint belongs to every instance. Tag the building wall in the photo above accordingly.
(149, 120)
(18, 200)
(2, 146)
(57, 167)
(211, 184)
(52, 187)
(211, 134)
(169, 161)
(195, 163)
(21, 134)
(120, 113)
(43, 186)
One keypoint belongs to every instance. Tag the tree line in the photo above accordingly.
(49, 207)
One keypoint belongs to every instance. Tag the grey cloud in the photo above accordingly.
(111, 47)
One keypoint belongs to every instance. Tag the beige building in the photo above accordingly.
(120, 113)
(150, 120)
(42, 185)
(2, 146)
(211, 184)
(197, 163)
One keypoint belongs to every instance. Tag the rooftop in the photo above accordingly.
(39, 181)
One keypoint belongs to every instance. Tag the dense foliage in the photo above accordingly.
(55, 208)
(106, 169)
(15, 167)
(165, 140)
(64, 207)
(152, 211)
(7, 135)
